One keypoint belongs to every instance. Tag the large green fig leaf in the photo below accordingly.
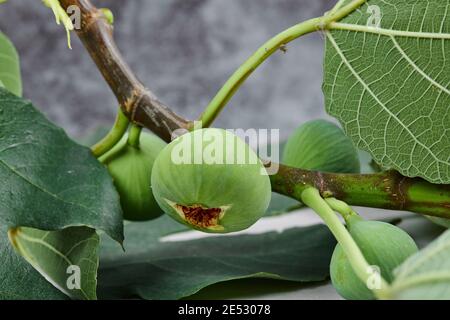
(152, 269)
(387, 79)
(426, 275)
(9, 66)
(18, 278)
(67, 258)
(49, 183)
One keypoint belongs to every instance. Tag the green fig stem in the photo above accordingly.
(134, 136)
(386, 190)
(279, 42)
(113, 137)
(225, 94)
(342, 208)
(312, 198)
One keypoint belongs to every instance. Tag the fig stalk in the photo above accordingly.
(342, 208)
(312, 198)
(134, 136)
(113, 137)
(278, 42)
(225, 94)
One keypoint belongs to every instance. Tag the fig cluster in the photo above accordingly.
(212, 181)
(131, 169)
(385, 248)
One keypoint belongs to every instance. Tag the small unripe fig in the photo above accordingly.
(131, 169)
(321, 146)
(211, 181)
(384, 246)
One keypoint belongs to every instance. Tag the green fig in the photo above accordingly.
(321, 146)
(383, 245)
(131, 169)
(211, 181)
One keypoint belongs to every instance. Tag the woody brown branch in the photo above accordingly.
(139, 104)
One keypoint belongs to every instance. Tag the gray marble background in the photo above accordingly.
(184, 50)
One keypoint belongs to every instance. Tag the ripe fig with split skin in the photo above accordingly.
(212, 181)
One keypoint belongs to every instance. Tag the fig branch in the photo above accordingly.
(138, 103)
(387, 190)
